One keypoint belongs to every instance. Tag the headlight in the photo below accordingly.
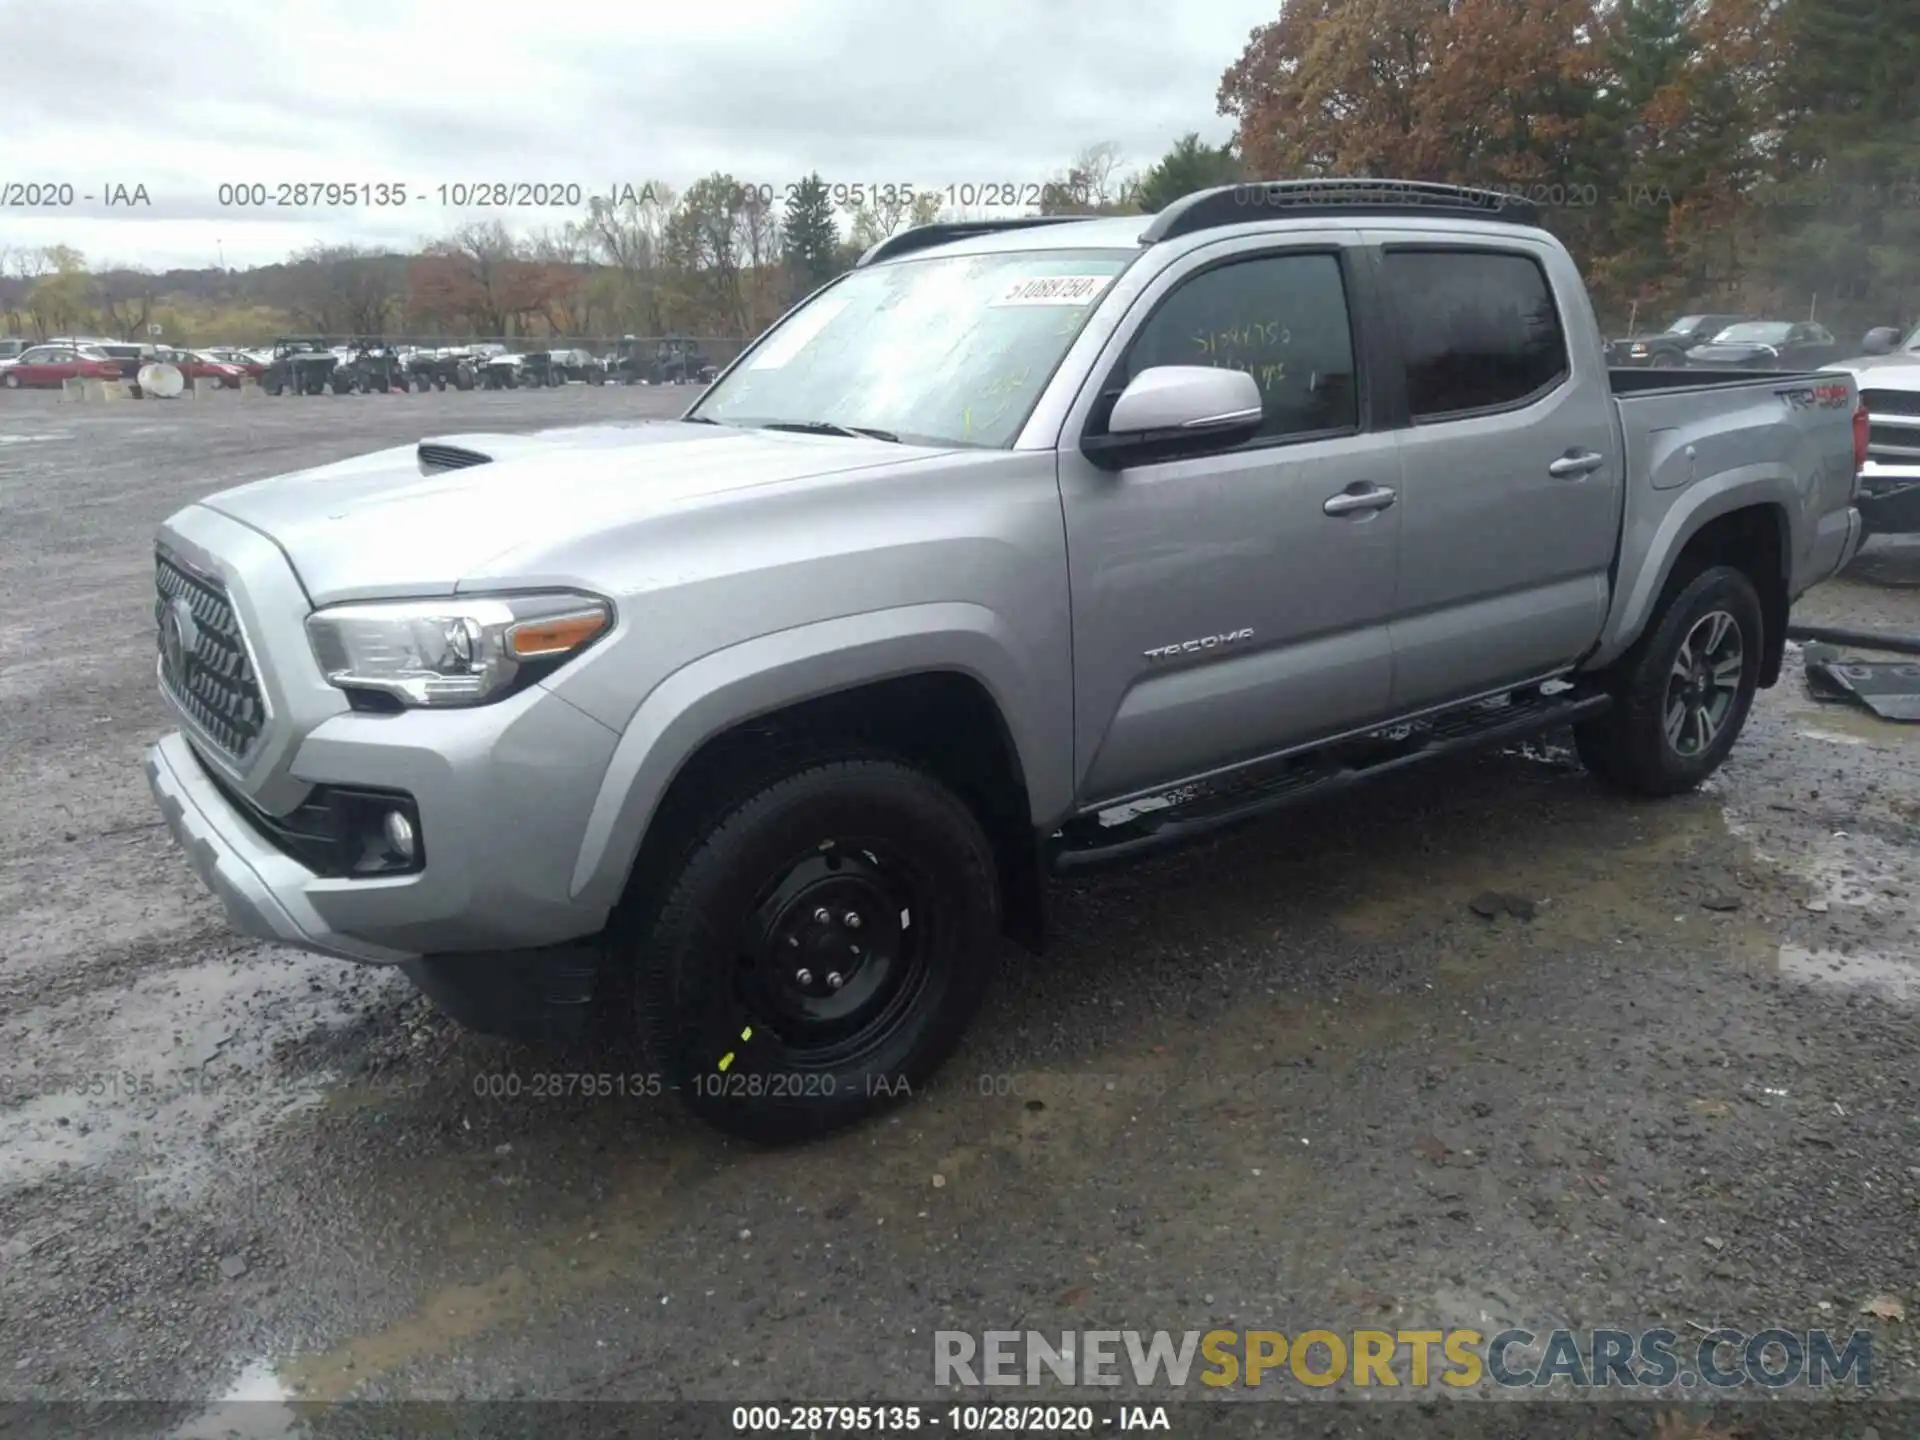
(456, 651)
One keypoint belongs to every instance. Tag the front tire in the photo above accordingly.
(821, 948)
(1683, 692)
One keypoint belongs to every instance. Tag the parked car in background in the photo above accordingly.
(758, 730)
(12, 348)
(1888, 373)
(249, 362)
(47, 367)
(129, 355)
(1667, 349)
(200, 365)
(1767, 345)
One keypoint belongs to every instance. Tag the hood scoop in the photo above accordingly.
(434, 458)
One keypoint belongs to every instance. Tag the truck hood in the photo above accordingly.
(377, 526)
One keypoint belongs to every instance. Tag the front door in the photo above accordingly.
(1220, 610)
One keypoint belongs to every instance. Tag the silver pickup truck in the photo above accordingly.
(1026, 546)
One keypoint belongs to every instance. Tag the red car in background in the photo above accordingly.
(45, 367)
(199, 365)
(246, 361)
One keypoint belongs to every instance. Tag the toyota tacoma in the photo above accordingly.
(1025, 547)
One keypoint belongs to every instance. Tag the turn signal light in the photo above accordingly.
(1861, 424)
(536, 639)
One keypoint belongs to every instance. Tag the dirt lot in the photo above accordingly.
(1289, 1080)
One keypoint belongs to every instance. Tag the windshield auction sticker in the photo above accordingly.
(1054, 290)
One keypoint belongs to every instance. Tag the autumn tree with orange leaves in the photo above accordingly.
(1661, 135)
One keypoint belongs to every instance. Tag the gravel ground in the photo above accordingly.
(1288, 1080)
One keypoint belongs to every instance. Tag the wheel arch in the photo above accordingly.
(1733, 522)
(933, 688)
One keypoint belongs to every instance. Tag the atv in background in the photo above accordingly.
(372, 365)
(541, 367)
(300, 366)
(503, 372)
(558, 367)
(677, 360)
(580, 365)
(437, 369)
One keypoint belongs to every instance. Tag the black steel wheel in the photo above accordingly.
(820, 949)
(1683, 692)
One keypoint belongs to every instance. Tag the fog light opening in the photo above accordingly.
(400, 837)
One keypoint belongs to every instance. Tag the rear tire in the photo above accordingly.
(1684, 691)
(821, 947)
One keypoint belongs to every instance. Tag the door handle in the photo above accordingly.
(1355, 501)
(1576, 462)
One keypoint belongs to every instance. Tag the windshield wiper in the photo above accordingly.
(823, 427)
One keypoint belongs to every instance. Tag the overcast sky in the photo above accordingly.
(181, 96)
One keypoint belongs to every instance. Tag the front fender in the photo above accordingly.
(755, 677)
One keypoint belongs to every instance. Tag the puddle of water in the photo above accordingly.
(253, 1408)
(1897, 980)
(177, 1063)
(1832, 738)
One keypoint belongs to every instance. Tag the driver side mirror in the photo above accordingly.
(1174, 410)
(1882, 340)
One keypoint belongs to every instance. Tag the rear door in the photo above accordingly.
(1511, 468)
(1220, 611)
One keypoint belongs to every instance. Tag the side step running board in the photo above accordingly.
(1197, 811)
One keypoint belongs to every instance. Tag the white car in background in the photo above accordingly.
(1888, 375)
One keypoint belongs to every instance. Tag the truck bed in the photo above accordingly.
(1690, 436)
(1628, 380)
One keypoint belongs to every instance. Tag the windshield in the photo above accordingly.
(1912, 342)
(1759, 332)
(1685, 323)
(941, 351)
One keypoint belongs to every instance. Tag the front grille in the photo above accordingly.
(448, 457)
(1891, 402)
(1894, 441)
(209, 673)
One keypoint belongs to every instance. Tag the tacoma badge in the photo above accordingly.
(1195, 647)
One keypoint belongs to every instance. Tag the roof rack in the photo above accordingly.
(1260, 199)
(921, 237)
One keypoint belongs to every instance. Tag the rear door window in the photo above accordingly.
(1479, 330)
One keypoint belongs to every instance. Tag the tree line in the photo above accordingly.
(1756, 155)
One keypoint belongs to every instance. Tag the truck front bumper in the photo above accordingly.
(263, 890)
(500, 795)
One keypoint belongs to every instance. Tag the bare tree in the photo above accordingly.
(629, 233)
(344, 289)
